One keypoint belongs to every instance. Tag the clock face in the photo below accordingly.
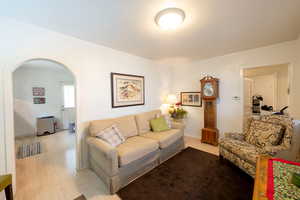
(208, 90)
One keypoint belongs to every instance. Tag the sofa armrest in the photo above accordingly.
(105, 155)
(177, 125)
(235, 136)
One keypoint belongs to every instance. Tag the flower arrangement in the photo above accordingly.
(177, 112)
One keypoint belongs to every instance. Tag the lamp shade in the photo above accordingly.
(171, 99)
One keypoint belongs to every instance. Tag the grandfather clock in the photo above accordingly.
(210, 92)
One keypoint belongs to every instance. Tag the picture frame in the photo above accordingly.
(38, 91)
(127, 90)
(191, 99)
(39, 100)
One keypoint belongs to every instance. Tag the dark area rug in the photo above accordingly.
(191, 175)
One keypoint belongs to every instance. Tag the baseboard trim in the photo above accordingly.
(192, 136)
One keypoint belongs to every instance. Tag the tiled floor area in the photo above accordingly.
(52, 175)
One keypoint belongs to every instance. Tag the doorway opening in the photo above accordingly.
(44, 120)
(266, 90)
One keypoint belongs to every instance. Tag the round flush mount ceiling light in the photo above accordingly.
(170, 18)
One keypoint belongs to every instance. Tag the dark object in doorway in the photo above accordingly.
(256, 100)
(72, 127)
(267, 108)
(191, 175)
(281, 112)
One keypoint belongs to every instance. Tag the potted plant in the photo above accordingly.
(177, 112)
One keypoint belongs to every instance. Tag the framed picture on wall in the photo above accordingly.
(191, 99)
(38, 91)
(39, 100)
(127, 90)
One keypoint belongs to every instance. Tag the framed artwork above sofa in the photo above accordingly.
(127, 90)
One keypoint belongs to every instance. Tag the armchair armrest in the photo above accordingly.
(105, 155)
(235, 136)
(273, 150)
(177, 125)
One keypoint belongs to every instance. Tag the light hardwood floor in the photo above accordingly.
(52, 174)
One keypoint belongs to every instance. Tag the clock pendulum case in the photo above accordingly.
(210, 92)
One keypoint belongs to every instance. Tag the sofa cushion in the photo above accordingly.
(165, 138)
(241, 149)
(143, 120)
(134, 148)
(126, 125)
(264, 134)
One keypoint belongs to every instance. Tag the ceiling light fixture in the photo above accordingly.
(170, 18)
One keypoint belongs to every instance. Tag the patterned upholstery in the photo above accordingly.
(242, 149)
(236, 149)
(111, 135)
(263, 134)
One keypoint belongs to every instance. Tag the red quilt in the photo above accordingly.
(279, 180)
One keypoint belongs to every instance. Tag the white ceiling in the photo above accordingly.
(211, 27)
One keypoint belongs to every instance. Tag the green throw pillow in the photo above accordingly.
(159, 124)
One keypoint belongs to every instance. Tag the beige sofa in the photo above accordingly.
(142, 150)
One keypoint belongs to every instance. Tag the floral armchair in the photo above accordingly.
(235, 148)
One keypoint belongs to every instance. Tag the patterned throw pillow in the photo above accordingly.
(112, 136)
(263, 134)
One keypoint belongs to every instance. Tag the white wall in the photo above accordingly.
(186, 76)
(25, 112)
(91, 65)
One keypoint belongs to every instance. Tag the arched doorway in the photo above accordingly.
(9, 103)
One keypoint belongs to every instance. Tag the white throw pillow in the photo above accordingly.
(167, 118)
(111, 135)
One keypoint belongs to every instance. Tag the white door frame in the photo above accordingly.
(251, 89)
(6, 91)
(3, 168)
(290, 78)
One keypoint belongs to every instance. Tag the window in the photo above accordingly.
(69, 96)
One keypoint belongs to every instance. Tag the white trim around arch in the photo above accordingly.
(2, 127)
(7, 119)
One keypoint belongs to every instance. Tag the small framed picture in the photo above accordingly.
(39, 100)
(127, 90)
(38, 91)
(191, 99)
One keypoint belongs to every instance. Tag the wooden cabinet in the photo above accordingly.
(261, 178)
